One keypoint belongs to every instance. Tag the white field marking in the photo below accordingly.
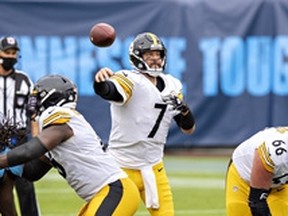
(53, 176)
(197, 182)
(195, 165)
(174, 181)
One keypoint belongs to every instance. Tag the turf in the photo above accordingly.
(197, 184)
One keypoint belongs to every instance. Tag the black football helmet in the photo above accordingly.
(52, 90)
(146, 42)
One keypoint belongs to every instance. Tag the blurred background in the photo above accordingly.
(231, 56)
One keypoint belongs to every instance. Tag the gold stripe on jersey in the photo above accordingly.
(125, 83)
(265, 158)
(282, 129)
(57, 118)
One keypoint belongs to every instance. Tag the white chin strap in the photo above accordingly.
(154, 73)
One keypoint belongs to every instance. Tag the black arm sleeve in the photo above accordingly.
(185, 122)
(35, 169)
(26, 152)
(107, 90)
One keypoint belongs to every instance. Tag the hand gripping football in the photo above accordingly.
(102, 34)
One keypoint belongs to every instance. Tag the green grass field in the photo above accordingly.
(197, 184)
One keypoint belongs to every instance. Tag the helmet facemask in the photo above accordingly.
(141, 44)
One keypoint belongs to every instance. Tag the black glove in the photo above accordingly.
(258, 202)
(176, 102)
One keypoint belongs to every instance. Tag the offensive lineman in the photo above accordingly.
(144, 102)
(71, 145)
(257, 177)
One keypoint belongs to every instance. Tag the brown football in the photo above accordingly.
(102, 34)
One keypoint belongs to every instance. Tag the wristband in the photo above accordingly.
(258, 202)
(185, 122)
(257, 194)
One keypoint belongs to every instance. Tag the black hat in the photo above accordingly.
(8, 43)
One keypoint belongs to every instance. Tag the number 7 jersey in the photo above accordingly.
(140, 124)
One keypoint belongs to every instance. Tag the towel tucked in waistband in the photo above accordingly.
(150, 186)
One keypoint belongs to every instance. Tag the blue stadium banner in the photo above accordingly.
(232, 57)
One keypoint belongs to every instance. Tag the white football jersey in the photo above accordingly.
(141, 123)
(272, 145)
(80, 159)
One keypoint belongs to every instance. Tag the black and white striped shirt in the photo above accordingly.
(13, 100)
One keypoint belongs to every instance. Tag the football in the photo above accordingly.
(102, 34)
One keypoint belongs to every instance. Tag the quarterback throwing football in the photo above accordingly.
(144, 102)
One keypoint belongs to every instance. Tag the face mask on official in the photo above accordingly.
(8, 63)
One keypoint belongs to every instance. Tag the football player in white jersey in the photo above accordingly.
(144, 102)
(67, 142)
(257, 176)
